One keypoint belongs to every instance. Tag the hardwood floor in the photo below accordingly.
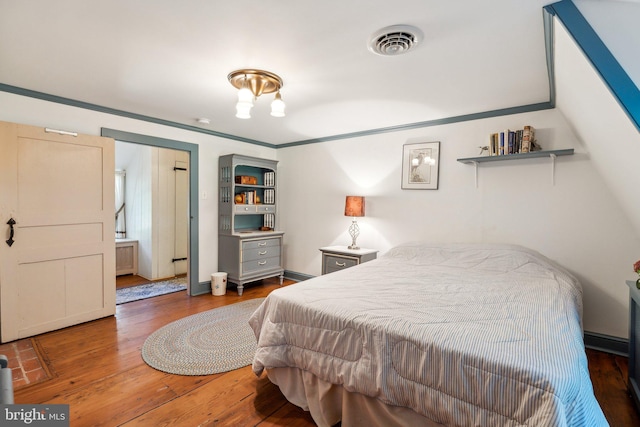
(97, 369)
(128, 280)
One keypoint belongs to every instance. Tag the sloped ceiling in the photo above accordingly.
(169, 60)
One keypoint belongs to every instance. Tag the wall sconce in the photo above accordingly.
(354, 207)
(253, 83)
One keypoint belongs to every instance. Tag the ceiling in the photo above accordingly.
(169, 60)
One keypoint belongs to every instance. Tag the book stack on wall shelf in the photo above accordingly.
(513, 142)
(513, 145)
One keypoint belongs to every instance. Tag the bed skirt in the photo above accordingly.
(330, 404)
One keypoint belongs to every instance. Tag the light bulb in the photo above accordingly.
(243, 110)
(277, 106)
(245, 96)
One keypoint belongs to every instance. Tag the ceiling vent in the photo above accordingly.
(395, 40)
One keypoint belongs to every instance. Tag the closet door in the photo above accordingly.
(57, 255)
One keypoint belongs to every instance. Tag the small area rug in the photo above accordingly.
(206, 343)
(148, 290)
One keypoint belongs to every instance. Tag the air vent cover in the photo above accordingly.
(395, 40)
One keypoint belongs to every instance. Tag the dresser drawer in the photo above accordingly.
(248, 209)
(266, 208)
(260, 253)
(260, 244)
(260, 264)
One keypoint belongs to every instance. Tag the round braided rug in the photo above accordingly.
(214, 341)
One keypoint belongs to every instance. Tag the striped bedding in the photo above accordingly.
(486, 335)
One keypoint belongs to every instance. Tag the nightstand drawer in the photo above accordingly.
(336, 258)
(335, 263)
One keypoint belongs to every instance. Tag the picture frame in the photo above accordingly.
(420, 166)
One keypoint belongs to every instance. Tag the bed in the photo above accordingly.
(456, 335)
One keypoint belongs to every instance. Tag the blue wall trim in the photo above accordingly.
(606, 343)
(547, 19)
(88, 106)
(429, 123)
(619, 82)
(444, 121)
(298, 277)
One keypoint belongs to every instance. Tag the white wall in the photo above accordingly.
(575, 221)
(616, 23)
(30, 111)
(139, 204)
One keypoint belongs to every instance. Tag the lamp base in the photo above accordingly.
(354, 231)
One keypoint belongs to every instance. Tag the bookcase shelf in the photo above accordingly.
(552, 154)
(519, 156)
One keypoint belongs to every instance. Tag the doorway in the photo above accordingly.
(194, 286)
(152, 217)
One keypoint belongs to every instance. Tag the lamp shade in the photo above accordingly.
(354, 206)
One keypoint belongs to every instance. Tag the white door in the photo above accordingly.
(60, 268)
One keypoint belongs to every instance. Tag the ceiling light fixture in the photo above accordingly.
(253, 83)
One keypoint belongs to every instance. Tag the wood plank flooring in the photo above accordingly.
(97, 369)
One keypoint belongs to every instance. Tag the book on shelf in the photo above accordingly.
(527, 138)
(251, 197)
(269, 179)
(246, 198)
(269, 221)
(513, 142)
(269, 196)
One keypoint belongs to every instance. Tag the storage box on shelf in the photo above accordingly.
(249, 245)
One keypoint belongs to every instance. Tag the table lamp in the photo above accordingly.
(354, 207)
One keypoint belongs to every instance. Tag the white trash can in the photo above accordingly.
(219, 284)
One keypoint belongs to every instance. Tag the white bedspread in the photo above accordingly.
(482, 335)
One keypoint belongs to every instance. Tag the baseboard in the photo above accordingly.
(606, 343)
(298, 277)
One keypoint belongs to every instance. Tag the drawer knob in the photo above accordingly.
(262, 253)
(262, 244)
(341, 264)
(262, 262)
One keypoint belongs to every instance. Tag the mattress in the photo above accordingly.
(461, 334)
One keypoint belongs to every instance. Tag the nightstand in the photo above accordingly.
(336, 258)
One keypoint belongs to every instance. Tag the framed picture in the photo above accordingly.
(420, 163)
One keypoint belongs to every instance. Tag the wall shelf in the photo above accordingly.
(552, 154)
(519, 156)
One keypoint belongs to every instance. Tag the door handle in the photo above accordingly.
(11, 223)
